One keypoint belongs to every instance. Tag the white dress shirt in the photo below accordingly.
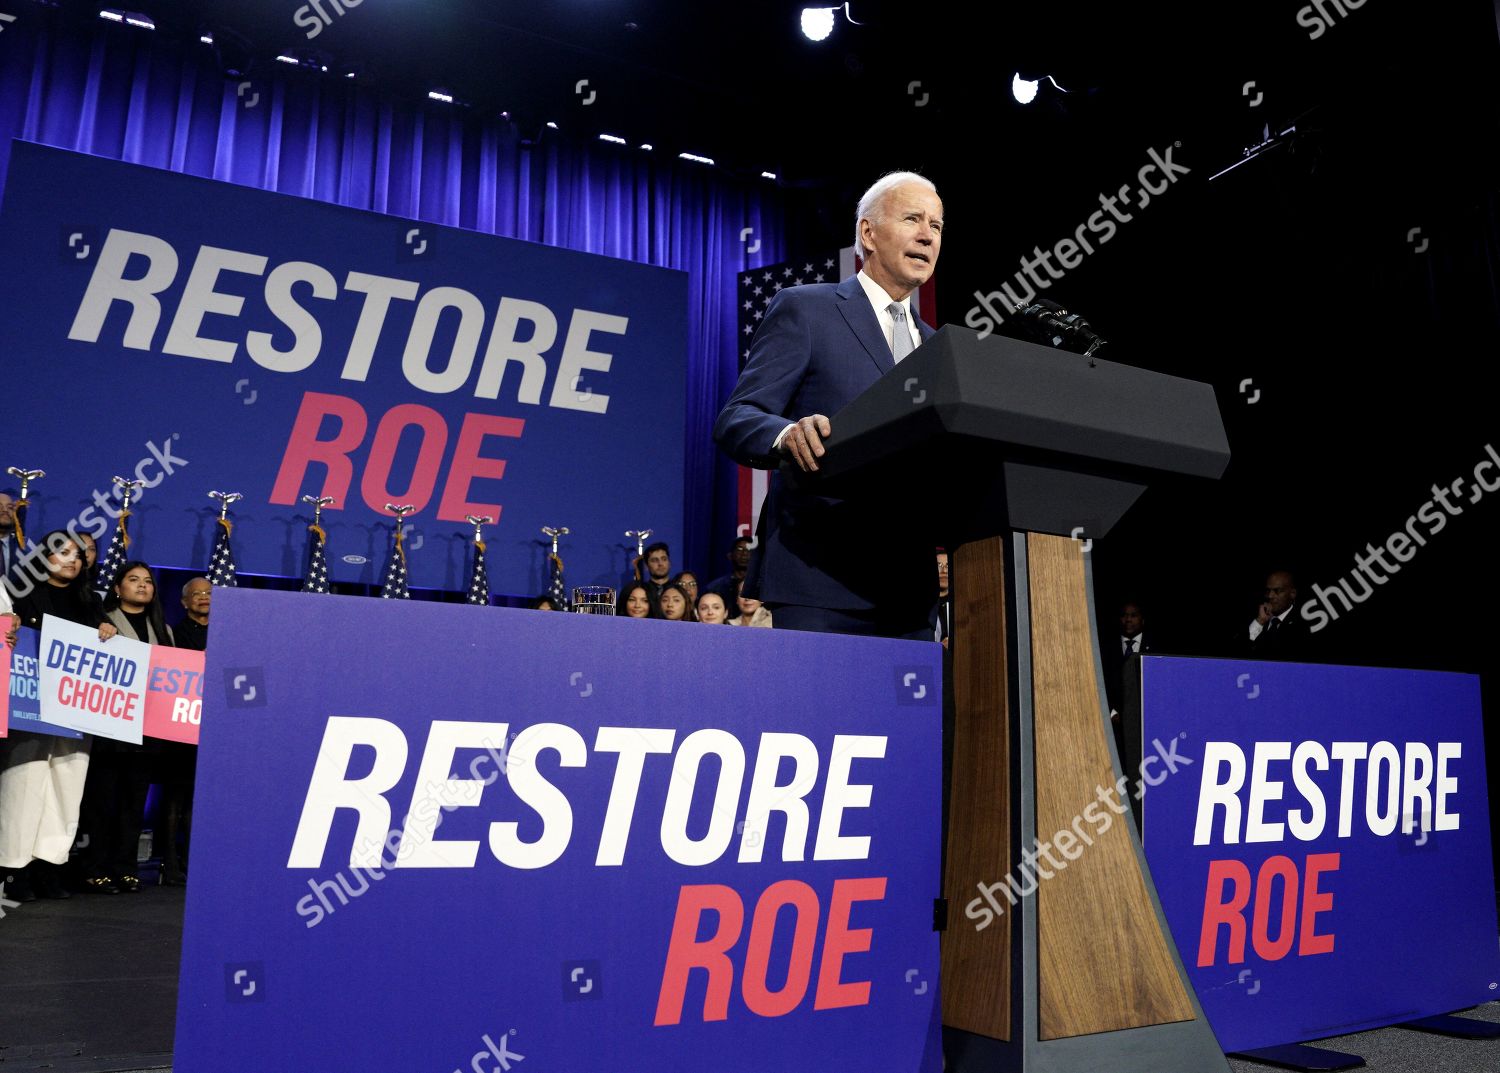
(1256, 629)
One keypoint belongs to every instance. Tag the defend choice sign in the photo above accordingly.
(97, 687)
(597, 843)
(1324, 863)
(338, 352)
(26, 691)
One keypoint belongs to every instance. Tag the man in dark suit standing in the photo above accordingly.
(1275, 632)
(823, 563)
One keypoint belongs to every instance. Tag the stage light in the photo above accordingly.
(613, 138)
(288, 59)
(768, 175)
(434, 95)
(695, 157)
(207, 39)
(551, 125)
(1024, 91)
(647, 146)
(130, 18)
(817, 22)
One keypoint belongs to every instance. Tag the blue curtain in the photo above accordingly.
(118, 92)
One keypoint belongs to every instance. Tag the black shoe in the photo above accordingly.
(129, 884)
(18, 888)
(101, 885)
(173, 879)
(46, 880)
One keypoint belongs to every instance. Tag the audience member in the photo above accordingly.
(192, 631)
(637, 601)
(942, 613)
(711, 609)
(674, 603)
(1276, 633)
(658, 566)
(41, 776)
(10, 550)
(752, 613)
(121, 773)
(739, 561)
(544, 603)
(688, 582)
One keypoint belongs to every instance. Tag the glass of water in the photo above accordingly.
(594, 600)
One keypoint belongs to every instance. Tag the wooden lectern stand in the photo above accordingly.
(1023, 455)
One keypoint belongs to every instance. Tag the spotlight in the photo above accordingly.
(434, 95)
(768, 175)
(817, 22)
(695, 158)
(1025, 91)
(613, 138)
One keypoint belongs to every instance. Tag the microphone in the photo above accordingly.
(1063, 329)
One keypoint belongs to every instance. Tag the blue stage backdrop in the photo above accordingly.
(1319, 837)
(428, 833)
(217, 337)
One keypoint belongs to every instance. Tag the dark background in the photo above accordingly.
(1374, 357)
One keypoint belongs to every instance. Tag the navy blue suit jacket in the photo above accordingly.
(818, 348)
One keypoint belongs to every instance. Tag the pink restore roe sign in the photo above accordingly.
(174, 694)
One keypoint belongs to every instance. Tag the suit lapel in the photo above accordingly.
(860, 317)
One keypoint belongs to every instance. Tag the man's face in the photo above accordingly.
(197, 597)
(740, 556)
(7, 511)
(942, 561)
(1280, 592)
(659, 564)
(902, 243)
(1132, 621)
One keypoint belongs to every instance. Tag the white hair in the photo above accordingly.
(872, 204)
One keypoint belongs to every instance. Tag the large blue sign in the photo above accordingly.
(199, 335)
(445, 837)
(1321, 845)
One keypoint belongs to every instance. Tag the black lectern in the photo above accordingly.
(1001, 442)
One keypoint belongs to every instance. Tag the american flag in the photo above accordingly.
(115, 556)
(556, 591)
(221, 562)
(756, 288)
(317, 562)
(394, 587)
(479, 579)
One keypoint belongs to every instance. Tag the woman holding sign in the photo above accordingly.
(42, 777)
(121, 773)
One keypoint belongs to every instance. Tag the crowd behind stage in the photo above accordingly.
(73, 811)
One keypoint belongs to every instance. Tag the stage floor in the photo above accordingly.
(89, 985)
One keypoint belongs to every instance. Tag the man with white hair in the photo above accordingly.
(823, 563)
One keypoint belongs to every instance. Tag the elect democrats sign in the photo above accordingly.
(1324, 863)
(240, 340)
(446, 837)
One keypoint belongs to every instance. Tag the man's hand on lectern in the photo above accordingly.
(804, 442)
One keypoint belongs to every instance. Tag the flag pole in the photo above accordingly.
(25, 476)
(641, 536)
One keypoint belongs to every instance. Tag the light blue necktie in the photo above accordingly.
(902, 344)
